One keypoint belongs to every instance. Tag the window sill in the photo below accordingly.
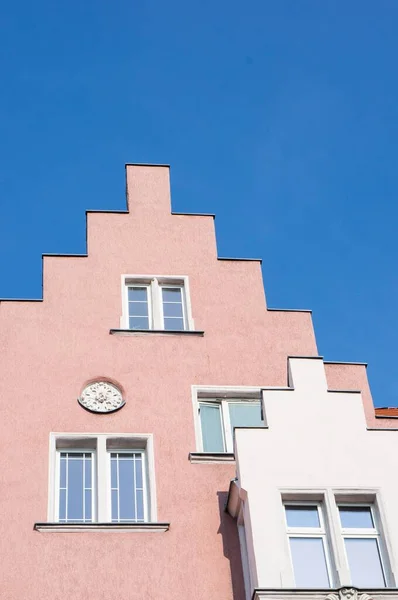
(156, 332)
(101, 527)
(211, 457)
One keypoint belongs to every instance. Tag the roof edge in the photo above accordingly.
(304, 310)
(194, 214)
(345, 362)
(260, 260)
(146, 165)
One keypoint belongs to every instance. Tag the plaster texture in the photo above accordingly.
(51, 349)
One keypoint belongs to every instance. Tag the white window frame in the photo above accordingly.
(330, 499)
(76, 450)
(311, 533)
(183, 302)
(364, 533)
(154, 284)
(222, 396)
(148, 289)
(101, 446)
(144, 480)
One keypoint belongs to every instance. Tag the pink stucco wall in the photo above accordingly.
(50, 349)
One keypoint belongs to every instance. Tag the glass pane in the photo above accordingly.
(245, 414)
(62, 468)
(172, 310)
(138, 294)
(177, 324)
(139, 323)
(309, 562)
(88, 505)
(171, 294)
(302, 516)
(88, 470)
(138, 471)
(62, 505)
(140, 505)
(115, 511)
(126, 490)
(75, 489)
(212, 434)
(138, 309)
(113, 471)
(364, 562)
(356, 517)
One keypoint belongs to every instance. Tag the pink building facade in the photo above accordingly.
(120, 393)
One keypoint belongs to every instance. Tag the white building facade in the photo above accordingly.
(316, 494)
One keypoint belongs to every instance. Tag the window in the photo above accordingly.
(139, 311)
(219, 417)
(159, 303)
(308, 545)
(127, 487)
(76, 476)
(102, 478)
(173, 307)
(362, 545)
(359, 548)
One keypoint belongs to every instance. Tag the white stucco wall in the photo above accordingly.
(316, 442)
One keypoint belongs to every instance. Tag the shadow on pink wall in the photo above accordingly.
(231, 547)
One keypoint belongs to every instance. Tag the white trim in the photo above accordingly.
(103, 481)
(155, 298)
(102, 527)
(98, 446)
(244, 557)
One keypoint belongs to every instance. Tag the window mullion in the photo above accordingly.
(102, 489)
(125, 320)
(228, 433)
(145, 493)
(155, 291)
(183, 308)
(57, 485)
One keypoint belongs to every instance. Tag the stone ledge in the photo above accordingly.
(211, 457)
(101, 527)
(156, 332)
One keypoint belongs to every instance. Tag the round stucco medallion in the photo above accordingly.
(101, 397)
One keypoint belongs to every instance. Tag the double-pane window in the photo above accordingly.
(156, 304)
(310, 549)
(308, 545)
(362, 545)
(105, 483)
(218, 419)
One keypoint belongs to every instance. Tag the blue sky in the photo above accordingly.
(281, 116)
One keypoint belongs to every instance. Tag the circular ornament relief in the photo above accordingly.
(101, 397)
